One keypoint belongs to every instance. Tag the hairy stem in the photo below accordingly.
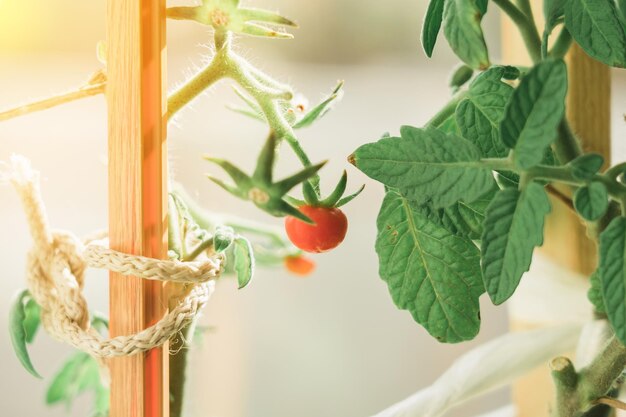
(194, 87)
(87, 91)
(579, 392)
(526, 26)
(567, 147)
(562, 44)
(447, 111)
(178, 371)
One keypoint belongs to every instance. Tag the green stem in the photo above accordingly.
(178, 371)
(213, 72)
(562, 44)
(526, 26)
(239, 71)
(567, 147)
(616, 171)
(579, 392)
(202, 246)
(448, 110)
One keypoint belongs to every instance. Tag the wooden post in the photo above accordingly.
(566, 242)
(137, 194)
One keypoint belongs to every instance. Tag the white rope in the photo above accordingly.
(485, 368)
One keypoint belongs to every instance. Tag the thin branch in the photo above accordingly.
(612, 402)
(559, 195)
(83, 92)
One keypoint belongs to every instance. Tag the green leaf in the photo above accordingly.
(449, 125)
(464, 219)
(480, 114)
(222, 239)
(432, 25)
(430, 272)
(592, 201)
(482, 6)
(32, 319)
(534, 112)
(586, 166)
(513, 228)
(460, 76)
(244, 260)
(553, 11)
(596, 27)
(65, 385)
(613, 274)
(427, 166)
(595, 293)
(19, 335)
(621, 7)
(79, 373)
(321, 109)
(462, 30)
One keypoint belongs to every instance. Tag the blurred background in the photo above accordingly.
(332, 344)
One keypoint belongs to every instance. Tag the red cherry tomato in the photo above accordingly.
(327, 233)
(299, 265)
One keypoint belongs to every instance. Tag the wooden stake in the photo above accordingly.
(566, 242)
(137, 193)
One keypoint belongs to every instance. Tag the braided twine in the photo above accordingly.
(55, 275)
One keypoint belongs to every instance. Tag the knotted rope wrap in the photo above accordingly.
(55, 275)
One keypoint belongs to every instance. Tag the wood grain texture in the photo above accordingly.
(137, 193)
(566, 242)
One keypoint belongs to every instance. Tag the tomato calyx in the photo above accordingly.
(260, 187)
(336, 199)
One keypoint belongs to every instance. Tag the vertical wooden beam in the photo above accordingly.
(137, 193)
(565, 242)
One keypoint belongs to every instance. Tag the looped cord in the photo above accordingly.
(55, 276)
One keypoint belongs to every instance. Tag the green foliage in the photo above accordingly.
(479, 115)
(534, 113)
(432, 25)
(461, 75)
(430, 272)
(592, 201)
(32, 320)
(508, 124)
(613, 274)
(244, 261)
(461, 26)
(553, 12)
(226, 15)
(597, 28)
(223, 238)
(595, 293)
(22, 328)
(586, 166)
(513, 228)
(427, 166)
(80, 373)
(260, 187)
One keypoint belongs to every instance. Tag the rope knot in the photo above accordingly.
(56, 270)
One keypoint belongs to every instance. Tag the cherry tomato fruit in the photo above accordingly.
(327, 233)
